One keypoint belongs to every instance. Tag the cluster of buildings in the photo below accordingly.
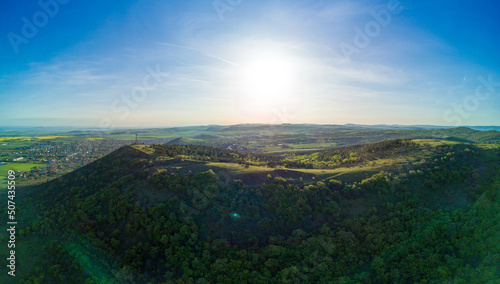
(235, 147)
(56, 158)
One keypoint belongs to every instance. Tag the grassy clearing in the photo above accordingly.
(15, 166)
(187, 141)
(435, 142)
(351, 174)
(489, 146)
(237, 169)
(293, 147)
(18, 167)
(144, 148)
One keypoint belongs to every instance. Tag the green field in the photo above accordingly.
(15, 166)
(14, 144)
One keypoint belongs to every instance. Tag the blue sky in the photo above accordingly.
(173, 63)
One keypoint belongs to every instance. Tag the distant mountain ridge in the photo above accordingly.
(20, 130)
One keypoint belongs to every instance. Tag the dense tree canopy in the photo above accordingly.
(137, 220)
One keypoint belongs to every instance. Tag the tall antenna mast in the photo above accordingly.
(136, 142)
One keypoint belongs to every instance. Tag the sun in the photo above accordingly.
(268, 79)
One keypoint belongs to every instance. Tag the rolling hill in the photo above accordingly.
(400, 211)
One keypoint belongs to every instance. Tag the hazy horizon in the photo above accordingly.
(93, 128)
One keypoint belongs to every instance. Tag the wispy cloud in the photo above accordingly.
(200, 52)
(409, 65)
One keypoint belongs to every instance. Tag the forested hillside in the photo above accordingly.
(156, 214)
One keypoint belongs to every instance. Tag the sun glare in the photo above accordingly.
(268, 80)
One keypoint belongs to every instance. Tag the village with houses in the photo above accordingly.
(52, 158)
(49, 158)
